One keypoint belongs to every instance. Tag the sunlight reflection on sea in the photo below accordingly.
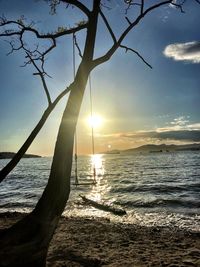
(155, 189)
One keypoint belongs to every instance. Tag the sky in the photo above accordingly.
(137, 105)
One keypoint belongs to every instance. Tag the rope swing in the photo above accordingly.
(75, 136)
(91, 114)
(92, 127)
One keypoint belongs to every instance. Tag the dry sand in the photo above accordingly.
(98, 242)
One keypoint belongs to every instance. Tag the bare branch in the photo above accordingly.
(79, 5)
(41, 74)
(105, 6)
(18, 28)
(142, 7)
(50, 48)
(137, 53)
(13, 47)
(130, 3)
(179, 6)
(108, 26)
(111, 51)
(23, 28)
(128, 20)
(77, 46)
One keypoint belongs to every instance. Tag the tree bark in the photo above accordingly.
(17, 157)
(26, 243)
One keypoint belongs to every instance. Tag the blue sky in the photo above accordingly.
(138, 105)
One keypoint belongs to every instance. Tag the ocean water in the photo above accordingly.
(154, 189)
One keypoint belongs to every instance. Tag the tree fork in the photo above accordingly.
(26, 243)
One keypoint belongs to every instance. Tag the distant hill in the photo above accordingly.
(9, 155)
(116, 151)
(150, 148)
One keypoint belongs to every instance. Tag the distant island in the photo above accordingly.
(9, 155)
(151, 148)
(112, 152)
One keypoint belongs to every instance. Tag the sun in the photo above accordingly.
(95, 121)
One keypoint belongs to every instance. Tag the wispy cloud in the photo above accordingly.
(181, 135)
(181, 123)
(170, 135)
(178, 130)
(194, 126)
(189, 52)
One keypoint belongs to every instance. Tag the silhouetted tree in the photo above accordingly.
(26, 242)
(33, 56)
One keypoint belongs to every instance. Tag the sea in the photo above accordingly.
(155, 189)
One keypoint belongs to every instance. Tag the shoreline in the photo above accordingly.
(88, 242)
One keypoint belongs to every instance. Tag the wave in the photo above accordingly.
(18, 205)
(177, 203)
(160, 188)
(139, 184)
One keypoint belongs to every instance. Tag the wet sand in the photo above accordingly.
(93, 242)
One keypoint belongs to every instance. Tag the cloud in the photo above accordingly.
(178, 131)
(180, 124)
(189, 52)
(194, 126)
(166, 135)
(181, 121)
(181, 135)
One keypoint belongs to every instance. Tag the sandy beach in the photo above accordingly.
(97, 242)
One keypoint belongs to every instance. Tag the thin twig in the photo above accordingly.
(41, 74)
(137, 53)
(108, 26)
(77, 46)
(115, 46)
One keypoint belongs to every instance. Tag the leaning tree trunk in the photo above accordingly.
(17, 157)
(26, 243)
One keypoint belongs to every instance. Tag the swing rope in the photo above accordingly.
(92, 127)
(91, 114)
(75, 136)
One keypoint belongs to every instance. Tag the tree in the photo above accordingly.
(26, 243)
(33, 56)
